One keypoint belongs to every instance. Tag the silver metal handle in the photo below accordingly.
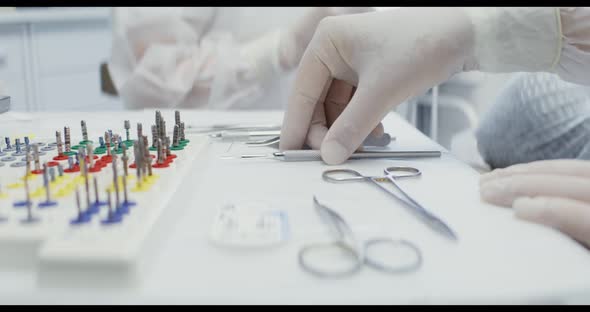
(299, 155)
(315, 155)
(396, 154)
(241, 135)
(369, 141)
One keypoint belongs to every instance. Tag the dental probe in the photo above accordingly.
(315, 155)
(244, 135)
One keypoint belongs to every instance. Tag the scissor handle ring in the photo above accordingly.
(317, 272)
(389, 269)
(402, 172)
(355, 176)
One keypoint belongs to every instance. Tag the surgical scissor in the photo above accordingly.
(347, 247)
(391, 174)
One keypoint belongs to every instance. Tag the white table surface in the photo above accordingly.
(498, 259)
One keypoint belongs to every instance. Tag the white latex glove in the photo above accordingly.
(297, 36)
(358, 67)
(550, 192)
(361, 66)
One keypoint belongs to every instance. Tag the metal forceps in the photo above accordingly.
(351, 254)
(391, 175)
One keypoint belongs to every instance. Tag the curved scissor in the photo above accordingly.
(357, 252)
(391, 174)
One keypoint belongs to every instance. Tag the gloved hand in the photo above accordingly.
(296, 37)
(549, 192)
(363, 65)
(360, 66)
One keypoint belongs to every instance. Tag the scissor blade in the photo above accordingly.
(438, 225)
(431, 220)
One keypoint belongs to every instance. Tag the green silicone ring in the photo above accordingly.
(100, 151)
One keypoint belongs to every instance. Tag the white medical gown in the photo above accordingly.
(533, 39)
(203, 57)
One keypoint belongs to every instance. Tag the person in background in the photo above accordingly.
(209, 57)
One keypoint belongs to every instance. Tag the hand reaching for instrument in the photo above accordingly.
(549, 192)
(358, 67)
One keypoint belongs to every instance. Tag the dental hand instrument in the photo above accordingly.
(265, 142)
(233, 127)
(391, 175)
(245, 135)
(315, 155)
(369, 141)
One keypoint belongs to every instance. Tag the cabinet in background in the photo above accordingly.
(50, 58)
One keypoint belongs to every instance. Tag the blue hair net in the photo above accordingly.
(537, 116)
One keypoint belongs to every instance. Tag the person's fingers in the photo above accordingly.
(318, 127)
(337, 98)
(503, 191)
(379, 131)
(311, 85)
(325, 114)
(321, 63)
(573, 167)
(569, 216)
(355, 123)
(336, 101)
